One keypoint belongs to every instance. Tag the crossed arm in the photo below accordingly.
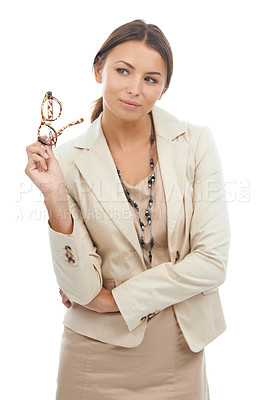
(104, 302)
(64, 230)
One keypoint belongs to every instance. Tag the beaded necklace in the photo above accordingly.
(151, 179)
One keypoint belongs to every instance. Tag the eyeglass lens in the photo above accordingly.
(51, 109)
(46, 131)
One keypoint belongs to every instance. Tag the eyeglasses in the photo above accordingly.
(51, 111)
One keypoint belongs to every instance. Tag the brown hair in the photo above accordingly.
(150, 34)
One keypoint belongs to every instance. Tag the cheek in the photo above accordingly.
(110, 84)
(154, 94)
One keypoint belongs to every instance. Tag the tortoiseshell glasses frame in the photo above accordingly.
(53, 134)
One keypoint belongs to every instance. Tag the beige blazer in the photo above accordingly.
(104, 248)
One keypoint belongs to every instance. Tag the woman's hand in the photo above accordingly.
(65, 300)
(44, 170)
(102, 303)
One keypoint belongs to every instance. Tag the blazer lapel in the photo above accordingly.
(99, 170)
(172, 156)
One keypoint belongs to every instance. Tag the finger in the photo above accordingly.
(62, 294)
(37, 148)
(47, 147)
(36, 143)
(44, 140)
(66, 301)
(40, 161)
(68, 304)
(64, 298)
(49, 151)
(33, 165)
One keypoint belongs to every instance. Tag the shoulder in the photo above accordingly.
(69, 151)
(169, 126)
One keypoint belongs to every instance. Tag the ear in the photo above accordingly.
(98, 74)
(98, 71)
(161, 95)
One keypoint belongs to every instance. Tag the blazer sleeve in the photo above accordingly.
(205, 266)
(77, 265)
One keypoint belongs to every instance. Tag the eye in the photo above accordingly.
(151, 80)
(122, 71)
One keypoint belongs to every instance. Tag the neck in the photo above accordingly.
(125, 135)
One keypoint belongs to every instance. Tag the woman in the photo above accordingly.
(139, 234)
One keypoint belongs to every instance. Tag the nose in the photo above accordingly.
(134, 86)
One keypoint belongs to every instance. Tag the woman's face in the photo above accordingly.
(133, 78)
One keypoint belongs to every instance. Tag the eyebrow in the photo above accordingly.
(131, 66)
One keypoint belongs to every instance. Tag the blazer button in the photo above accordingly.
(177, 256)
(150, 316)
(69, 255)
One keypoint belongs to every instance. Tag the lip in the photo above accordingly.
(132, 105)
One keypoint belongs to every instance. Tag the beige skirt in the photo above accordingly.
(162, 367)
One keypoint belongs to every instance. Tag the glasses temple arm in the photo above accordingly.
(71, 124)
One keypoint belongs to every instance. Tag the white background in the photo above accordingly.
(219, 81)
